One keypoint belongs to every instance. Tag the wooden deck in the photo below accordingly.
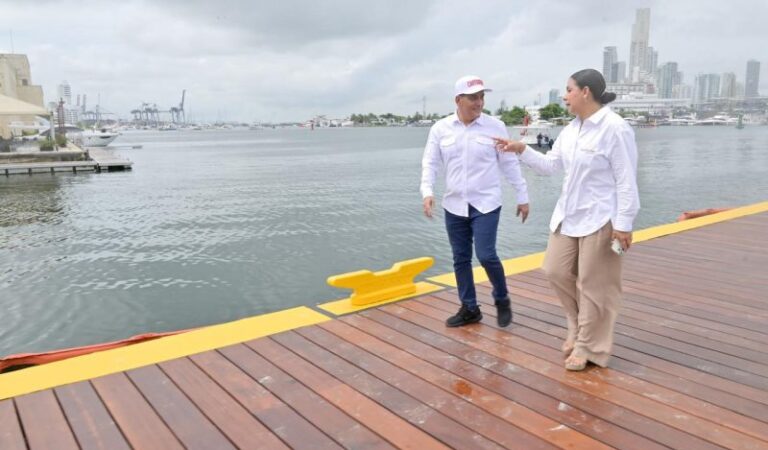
(690, 371)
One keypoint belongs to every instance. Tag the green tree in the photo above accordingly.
(551, 111)
(513, 116)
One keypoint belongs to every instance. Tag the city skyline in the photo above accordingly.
(273, 63)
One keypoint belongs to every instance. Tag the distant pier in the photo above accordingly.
(93, 160)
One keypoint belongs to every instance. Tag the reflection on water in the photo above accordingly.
(214, 226)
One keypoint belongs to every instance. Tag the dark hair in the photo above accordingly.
(594, 80)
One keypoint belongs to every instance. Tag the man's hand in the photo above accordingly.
(429, 203)
(522, 210)
(508, 145)
(624, 237)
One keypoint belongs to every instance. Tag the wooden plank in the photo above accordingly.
(89, 418)
(11, 437)
(532, 328)
(689, 415)
(558, 401)
(137, 420)
(192, 428)
(692, 361)
(509, 362)
(480, 409)
(357, 405)
(632, 307)
(673, 397)
(553, 400)
(236, 422)
(321, 413)
(418, 414)
(43, 422)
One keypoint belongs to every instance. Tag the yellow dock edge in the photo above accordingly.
(138, 355)
(344, 306)
(534, 261)
(98, 364)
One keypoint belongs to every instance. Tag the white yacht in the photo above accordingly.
(95, 137)
(527, 133)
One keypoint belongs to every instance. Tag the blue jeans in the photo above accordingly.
(482, 229)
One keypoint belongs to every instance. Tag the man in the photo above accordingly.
(462, 144)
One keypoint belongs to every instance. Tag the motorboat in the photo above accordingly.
(528, 132)
(100, 137)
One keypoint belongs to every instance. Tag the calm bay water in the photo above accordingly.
(212, 226)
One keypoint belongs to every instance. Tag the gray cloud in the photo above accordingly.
(291, 59)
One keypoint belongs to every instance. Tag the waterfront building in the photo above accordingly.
(16, 83)
(16, 79)
(649, 104)
(668, 77)
(554, 96)
(622, 89)
(638, 48)
(728, 85)
(618, 72)
(752, 80)
(65, 93)
(706, 87)
(610, 57)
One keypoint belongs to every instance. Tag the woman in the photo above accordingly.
(597, 205)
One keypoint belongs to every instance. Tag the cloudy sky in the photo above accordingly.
(289, 60)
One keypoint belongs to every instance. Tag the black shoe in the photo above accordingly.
(503, 312)
(465, 316)
(503, 315)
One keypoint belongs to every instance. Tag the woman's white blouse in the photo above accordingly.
(599, 159)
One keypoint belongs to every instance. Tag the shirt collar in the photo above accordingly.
(480, 120)
(594, 119)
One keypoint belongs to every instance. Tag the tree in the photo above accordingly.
(551, 111)
(513, 116)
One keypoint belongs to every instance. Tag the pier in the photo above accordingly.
(95, 160)
(690, 368)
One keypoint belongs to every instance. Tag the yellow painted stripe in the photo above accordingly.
(345, 306)
(534, 261)
(103, 363)
(677, 227)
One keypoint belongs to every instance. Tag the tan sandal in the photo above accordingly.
(567, 348)
(575, 363)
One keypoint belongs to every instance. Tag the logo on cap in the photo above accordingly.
(474, 82)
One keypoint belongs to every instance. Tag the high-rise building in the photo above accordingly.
(728, 85)
(618, 72)
(652, 60)
(65, 92)
(706, 87)
(554, 96)
(610, 57)
(638, 47)
(668, 78)
(752, 80)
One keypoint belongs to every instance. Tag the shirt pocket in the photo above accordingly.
(486, 146)
(591, 158)
(448, 146)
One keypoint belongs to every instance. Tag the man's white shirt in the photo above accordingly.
(599, 159)
(473, 167)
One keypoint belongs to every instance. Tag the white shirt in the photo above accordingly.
(599, 158)
(472, 165)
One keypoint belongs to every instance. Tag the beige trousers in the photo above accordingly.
(586, 275)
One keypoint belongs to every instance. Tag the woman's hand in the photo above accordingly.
(509, 146)
(624, 237)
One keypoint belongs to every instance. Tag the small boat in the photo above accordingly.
(95, 138)
(529, 132)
